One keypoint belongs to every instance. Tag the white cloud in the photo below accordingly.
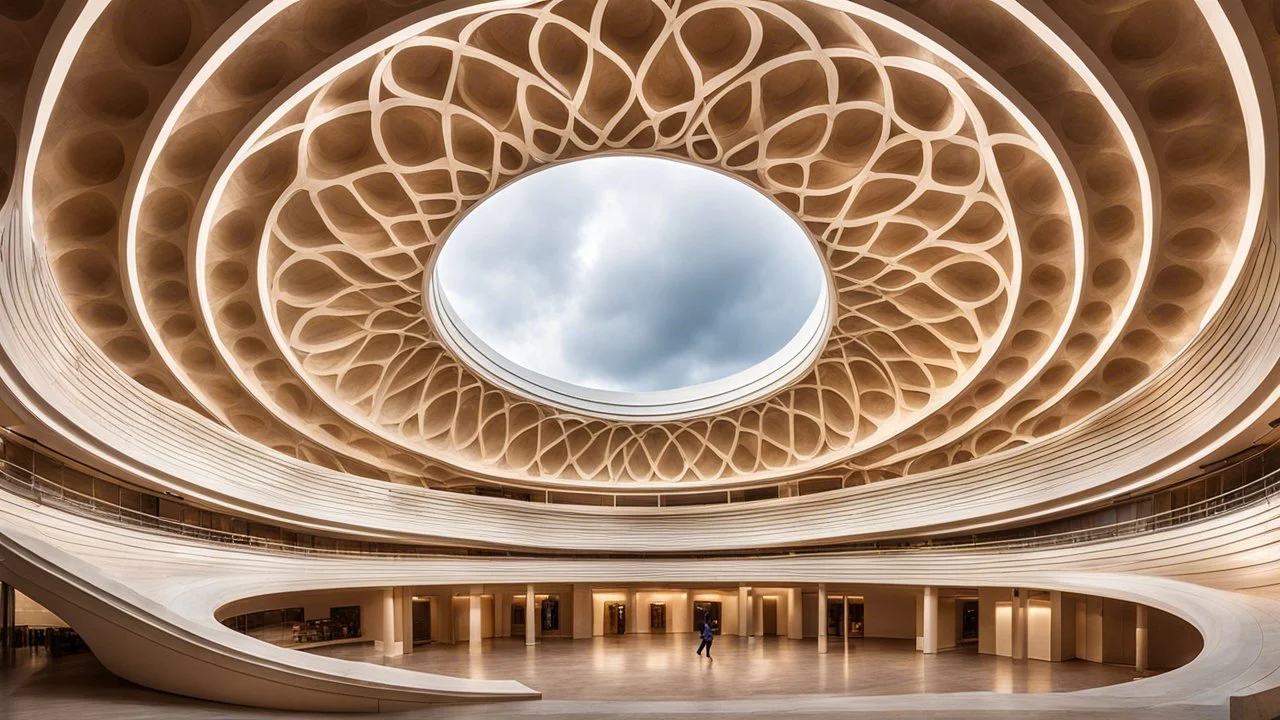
(631, 273)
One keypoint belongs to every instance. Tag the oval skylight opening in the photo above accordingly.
(631, 287)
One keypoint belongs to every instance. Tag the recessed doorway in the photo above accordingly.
(615, 619)
(421, 620)
(770, 620)
(968, 621)
(857, 625)
(706, 611)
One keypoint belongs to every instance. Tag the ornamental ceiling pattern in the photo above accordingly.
(1016, 233)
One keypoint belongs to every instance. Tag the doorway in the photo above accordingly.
(615, 619)
(968, 621)
(658, 616)
(706, 611)
(549, 613)
(770, 619)
(517, 617)
(857, 626)
(835, 618)
(421, 620)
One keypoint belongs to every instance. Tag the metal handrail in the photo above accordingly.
(48, 492)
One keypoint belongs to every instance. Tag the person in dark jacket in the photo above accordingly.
(707, 636)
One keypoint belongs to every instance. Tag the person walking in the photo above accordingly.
(707, 636)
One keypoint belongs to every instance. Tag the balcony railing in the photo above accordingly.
(52, 493)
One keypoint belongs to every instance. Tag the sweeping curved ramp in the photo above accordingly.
(146, 602)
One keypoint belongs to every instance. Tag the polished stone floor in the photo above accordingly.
(629, 667)
(597, 678)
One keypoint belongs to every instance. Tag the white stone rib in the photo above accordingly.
(1204, 398)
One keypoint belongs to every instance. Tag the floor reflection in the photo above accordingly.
(583, 678)
(630, 667)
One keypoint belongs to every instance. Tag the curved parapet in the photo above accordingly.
(176, 646)
(146, 602)
(1126, 408)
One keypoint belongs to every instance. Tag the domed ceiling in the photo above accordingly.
(1023, 216)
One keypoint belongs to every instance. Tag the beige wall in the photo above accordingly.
(809, 614)
(583, 612)
(32, 614)
(993, 624)
(948, 623)
(783, 599)
(1171, 641)
(1119, 622)
(1039, 629)
(315, 605)
(728, 608)
(600, 598)
(889, 612)
(462, 617)
(679, 611)
(1069, 623)
(507, 597)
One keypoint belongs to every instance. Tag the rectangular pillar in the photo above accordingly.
(795, 614)
(633, 612)
(844, 621)
(1059, 626)
(501, 614)
(1020, 598)
(744, 611)
(388, 635)
(442, 616)
(475, 627)
(1140, 639)
(403, 597)
(530, 616)
(822, 618)
(930, 621)
(8, 614)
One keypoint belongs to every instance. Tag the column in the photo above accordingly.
(822, 618)
(633, 612)
(442, 616)
(844, 621)
(795, 614)
(1057, 649)
(501, 614)
(530, 616)
(744, 611)
(930, 621)
(1020, 623)
(8, 603)
(403, 598)
(388, 639)
(1140, 639)
(475, 629)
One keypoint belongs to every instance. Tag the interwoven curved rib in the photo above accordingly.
(1205, 396)
(917, 238)
(1155, 241)
(228, 472)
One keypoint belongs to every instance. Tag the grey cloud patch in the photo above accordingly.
(631, 273)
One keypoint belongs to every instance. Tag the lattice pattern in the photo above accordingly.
(880, 157)
(1072, 325)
